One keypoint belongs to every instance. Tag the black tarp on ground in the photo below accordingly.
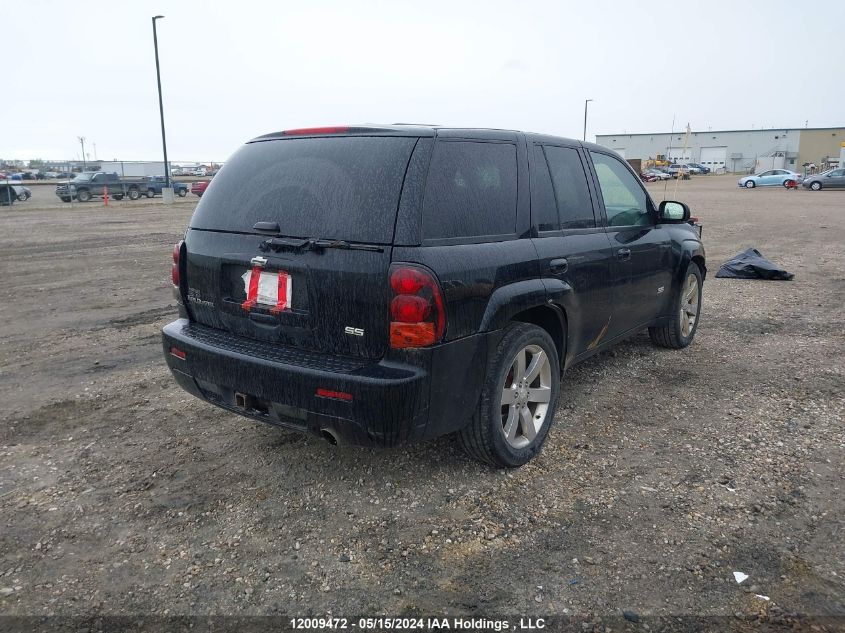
(751, 264)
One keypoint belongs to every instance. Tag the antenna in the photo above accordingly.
(669, 147)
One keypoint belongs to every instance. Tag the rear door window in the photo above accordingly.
(543, 204)
(575, 207)
(471, 190)
(333, 187)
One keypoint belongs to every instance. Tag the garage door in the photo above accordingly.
(714, 157)
(680, 155)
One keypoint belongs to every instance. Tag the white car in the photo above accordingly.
(200, 171)
(657, 174)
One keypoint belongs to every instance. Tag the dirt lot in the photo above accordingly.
(665, 472)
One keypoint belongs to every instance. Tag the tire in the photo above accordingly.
(133, 193)
(182, 193)
(150, 193)
(749, 184)
(23, 197)
(83, 195)
(484, 438)
(683, 323)
(816, 185)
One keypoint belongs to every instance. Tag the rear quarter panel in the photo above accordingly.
(470, 274)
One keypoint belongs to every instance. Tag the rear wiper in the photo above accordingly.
(283, 243)
(315, 244)
(343, 244)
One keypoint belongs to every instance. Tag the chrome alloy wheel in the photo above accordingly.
(525, 396)
(688, 312)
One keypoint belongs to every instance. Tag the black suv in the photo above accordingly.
(375, 285)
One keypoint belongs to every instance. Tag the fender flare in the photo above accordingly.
(690, 250)
(508, 301)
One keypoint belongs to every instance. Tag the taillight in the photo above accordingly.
(417, 315)
(174, 269)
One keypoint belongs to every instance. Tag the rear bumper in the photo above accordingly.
(393, 401)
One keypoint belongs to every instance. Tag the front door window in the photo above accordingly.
(625, 201)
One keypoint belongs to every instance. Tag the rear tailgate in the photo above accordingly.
(276, 286)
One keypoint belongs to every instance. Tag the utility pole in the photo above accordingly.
(586, 102)
(161, 110)
(82, 142)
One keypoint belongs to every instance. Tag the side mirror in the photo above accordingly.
(670, 211)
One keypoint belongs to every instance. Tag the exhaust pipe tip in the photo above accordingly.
(330, 436)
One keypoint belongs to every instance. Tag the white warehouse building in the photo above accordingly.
(738, 151)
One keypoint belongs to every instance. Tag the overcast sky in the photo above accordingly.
(234, 70)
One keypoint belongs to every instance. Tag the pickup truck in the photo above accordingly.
(156, 183)
(91, 184)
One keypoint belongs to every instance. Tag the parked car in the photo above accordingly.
(198, 187)
(200, 171)
(92, 184)
(770, 178)
(702, 169)
(657, 174)
(833, 178)
(376, 285)
(652, 175)
(8, 195)
(156, 183)
(675, 170)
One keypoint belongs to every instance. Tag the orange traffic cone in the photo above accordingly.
(105, 196)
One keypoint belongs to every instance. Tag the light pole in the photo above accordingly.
(161, 104)
(586, 102)
(82, 142)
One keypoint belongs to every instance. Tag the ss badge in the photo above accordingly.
(353, 331)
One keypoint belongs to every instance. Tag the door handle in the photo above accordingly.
(624, 254)
(559, 265)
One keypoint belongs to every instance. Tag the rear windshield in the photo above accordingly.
(335, 187)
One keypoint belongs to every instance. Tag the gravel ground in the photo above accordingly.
(664, 474)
